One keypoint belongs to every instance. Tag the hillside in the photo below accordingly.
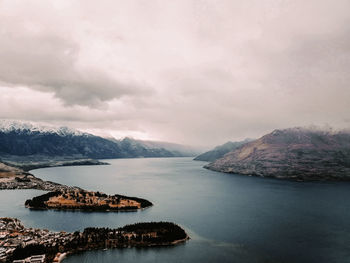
(177, 149)
(295, 153)
(220, 151)
(139, 148)
(9, 171)
(26, 142)
(21, 139)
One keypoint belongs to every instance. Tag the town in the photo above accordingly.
(16, 241)
(30, 245)
(29, 181)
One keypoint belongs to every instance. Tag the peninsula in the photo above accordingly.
(297, 154)
(63, 197)
(19, 243)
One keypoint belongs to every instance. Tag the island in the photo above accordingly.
(18, 243)
(16, 175)
(63, 197)
(25, 147)
(79, 199)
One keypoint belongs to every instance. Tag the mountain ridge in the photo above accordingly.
(295, 153)
(8, 126)
(21, 140)
(220, 150)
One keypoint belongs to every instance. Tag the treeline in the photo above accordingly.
(82, 196)
(97, 208)
(136, 235)
(141, 234)
(39, 201)
(166, 231)
(144, 203)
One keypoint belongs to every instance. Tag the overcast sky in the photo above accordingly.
(192, 72)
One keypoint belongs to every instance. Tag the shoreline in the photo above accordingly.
(60, 257)
(20, 242)
(136, 235)
(166, 244)
(293, 178)
(29, 166)
(79, 199)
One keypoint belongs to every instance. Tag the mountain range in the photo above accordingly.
(27, 141)
(220, 151)
(295, 153)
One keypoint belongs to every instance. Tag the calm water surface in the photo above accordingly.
(230, 218)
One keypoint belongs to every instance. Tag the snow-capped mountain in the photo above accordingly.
(7, 126)
(30, 139)
(24, 138)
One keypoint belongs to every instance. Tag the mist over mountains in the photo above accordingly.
(19, 139)
(295, 153)
(220, 151)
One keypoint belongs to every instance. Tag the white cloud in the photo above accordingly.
(199, 72)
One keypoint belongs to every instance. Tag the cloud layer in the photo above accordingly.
(195, 72)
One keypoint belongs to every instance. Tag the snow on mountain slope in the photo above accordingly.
(7, 126)
(31, 139)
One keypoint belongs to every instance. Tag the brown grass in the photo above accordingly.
(7, 174)
(59, 201)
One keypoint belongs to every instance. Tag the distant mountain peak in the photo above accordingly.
(7, 126)
(19, 138)
(307, 129)
(220, 151)
(294, 153)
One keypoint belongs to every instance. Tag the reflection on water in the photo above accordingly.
(230, 218)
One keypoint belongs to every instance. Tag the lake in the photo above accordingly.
(230, 218)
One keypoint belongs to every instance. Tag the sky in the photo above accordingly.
(187, 71)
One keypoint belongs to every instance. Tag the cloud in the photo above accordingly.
(195, 72)
(36, 55)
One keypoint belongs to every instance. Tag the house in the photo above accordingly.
(3, 234)
(37, 259)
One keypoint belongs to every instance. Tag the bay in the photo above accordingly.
(230, 218)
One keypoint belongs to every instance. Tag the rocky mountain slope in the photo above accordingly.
(26, 140)
(301, 154)
(220, 151)
(19, 139)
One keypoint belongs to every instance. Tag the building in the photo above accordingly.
(37, 259)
